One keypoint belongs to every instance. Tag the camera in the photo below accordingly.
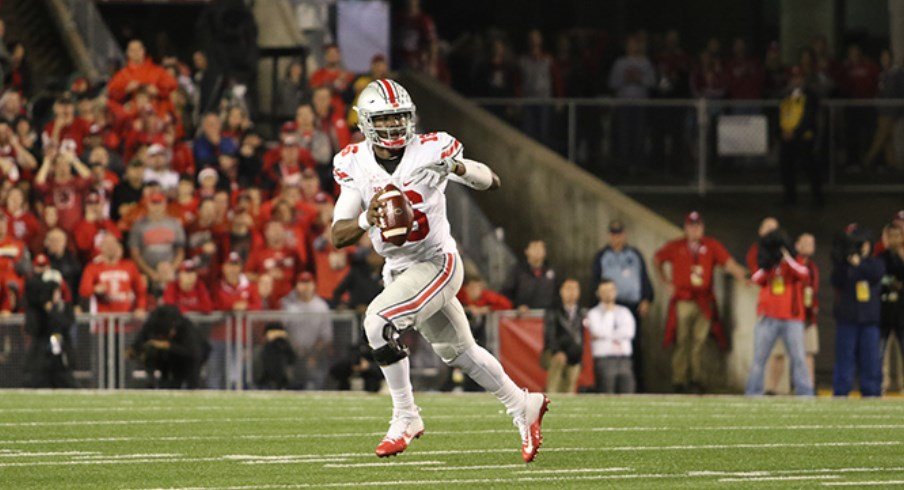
(769, 253)
(850, 242)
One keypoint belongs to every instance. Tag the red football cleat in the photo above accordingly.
(530, 425)
(403, 427)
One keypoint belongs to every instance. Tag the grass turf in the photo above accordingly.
(299, 440)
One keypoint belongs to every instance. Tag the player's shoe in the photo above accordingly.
(530, 422)
(403, 427)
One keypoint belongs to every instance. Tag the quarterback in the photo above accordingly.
(424, 273)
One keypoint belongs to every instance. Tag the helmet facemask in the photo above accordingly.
(388, 129)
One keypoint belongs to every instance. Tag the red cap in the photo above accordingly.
(234, 258)
(157, 198)
(288, 127)
(156, 149)
(188, 266)
(41, 260)
(694, 217)
(305, 276)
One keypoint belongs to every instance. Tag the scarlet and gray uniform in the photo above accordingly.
(423, 275)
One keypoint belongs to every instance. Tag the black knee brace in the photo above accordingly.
(394, 351)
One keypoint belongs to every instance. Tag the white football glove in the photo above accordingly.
(433, 174)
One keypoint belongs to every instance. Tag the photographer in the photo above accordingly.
(47, 320)
(169, 342)
(856, 278)
(781, 308)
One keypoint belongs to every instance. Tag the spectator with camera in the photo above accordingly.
(892, 302)
(171, 344)
(276, 359)
(781, 308)
(857, 279)
(48, 318)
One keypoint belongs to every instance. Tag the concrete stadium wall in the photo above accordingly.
(545, 196)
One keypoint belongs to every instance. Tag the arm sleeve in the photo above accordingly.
(477, 175)
(348, 206)
(722, 255)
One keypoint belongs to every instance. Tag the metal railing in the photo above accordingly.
(704, 145)
(98, 344)
(105, 53)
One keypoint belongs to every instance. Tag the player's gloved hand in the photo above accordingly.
(432, 175)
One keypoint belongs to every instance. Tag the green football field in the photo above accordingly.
(301, 440)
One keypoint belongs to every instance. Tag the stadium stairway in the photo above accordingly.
(31, 22)
(545, 196)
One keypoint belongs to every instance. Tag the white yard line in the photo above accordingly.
(477, 467)
(294, 461)
(387, 464)
(574, 470)
(869, 483)
(778, 478)
(23, 454)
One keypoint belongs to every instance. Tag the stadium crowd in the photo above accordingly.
(152, 189)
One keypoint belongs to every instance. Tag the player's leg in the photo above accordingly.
(450, 336)
(412, 293)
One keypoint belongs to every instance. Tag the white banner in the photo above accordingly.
(363, 28)
(743, 135)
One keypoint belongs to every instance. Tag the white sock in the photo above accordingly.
(486, 370)
(398, 379)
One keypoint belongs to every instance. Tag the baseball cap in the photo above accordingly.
(694, 217)
(305, 276)
(234, 258)
(92, 198)
(157, 198)
(41, 260)
(208, 172)
(616, 226)
(156, 149)
(188, 266)
(288, 127)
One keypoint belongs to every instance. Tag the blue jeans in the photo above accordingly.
(857, 349)
(766, 333)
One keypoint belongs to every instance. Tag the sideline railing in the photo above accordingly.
(705, 145)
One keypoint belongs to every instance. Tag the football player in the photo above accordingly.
(423, 275)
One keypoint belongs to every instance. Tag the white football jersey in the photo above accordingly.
(355, 167)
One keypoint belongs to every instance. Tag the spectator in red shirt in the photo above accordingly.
(478, 300)
(860, 80)
(205, 239)
(12, 256)
(113, 283)
(333, 76)
(234, 293)
(781, 311)
(61, 189)
(188, 293)
(692, 313)
(276, 260)
(66, 130)
(90, 231)
(140, 73)
(745, 73)
(23, 225)
(330, 120)
(413, 33)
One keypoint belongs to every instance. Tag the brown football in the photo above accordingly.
(395, 224)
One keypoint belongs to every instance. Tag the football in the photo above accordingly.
(395, 224)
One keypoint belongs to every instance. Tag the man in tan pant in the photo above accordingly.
(692, 309)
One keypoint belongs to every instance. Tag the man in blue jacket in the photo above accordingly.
(624, 265)
(857, 278)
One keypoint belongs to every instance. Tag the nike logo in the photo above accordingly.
(406, 184)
